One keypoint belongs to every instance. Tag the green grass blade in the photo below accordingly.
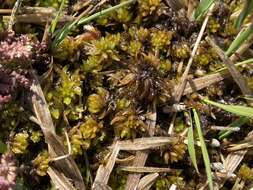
(56, 19)
(238, 110)
(191, 147)
(104, 12)
(67, 28)
(248, 7)
(202, 8)
(237, 123)
(239, 40)
(204, 150)
(60, 35)
(248, 61)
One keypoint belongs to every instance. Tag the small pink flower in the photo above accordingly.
(7, 172)
(15, 49)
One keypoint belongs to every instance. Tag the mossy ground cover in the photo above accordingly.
(110, 114)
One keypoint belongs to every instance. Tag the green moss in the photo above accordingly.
(127, 123)
(20, 143)
(161, 39)
(175, 152)
(181, 50)
(164, 182)
(213, 25)
(96, 102)
(101, 52)
(41, 163)
(64, 99)
(147, 7)
(82, 135)
(134, 48)
(118, 180)
(245, 173)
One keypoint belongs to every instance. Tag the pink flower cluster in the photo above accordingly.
(17, 53)
(7, 172)
(15, 49)
(10, 81)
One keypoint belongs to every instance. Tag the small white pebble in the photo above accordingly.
(215, 143)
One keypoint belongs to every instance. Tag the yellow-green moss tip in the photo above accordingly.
(20, 143)
(41, 163)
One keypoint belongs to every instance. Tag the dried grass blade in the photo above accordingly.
(233, 160)
(202, 82)
(136, 169)
(205, 81)
(242, 49)
(231, 163)
(240, 146)
(147, 181)
(125, 160)
(57, 178)
(104, 171)
(66, 166)
(133, 179)
(141, 156)
(238, 78)
(145, 143)
(204, 150)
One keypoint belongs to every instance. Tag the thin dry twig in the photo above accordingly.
(181, 87)
(80, 5)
